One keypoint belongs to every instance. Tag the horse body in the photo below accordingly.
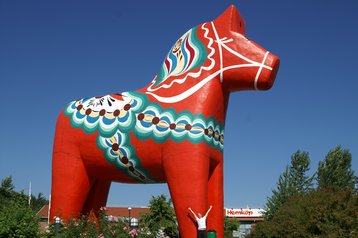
(169, 131)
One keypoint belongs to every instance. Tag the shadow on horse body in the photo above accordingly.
(171, 131)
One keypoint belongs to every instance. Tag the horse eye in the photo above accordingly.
(240, 23)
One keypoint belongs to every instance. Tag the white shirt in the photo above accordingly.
(201, 223)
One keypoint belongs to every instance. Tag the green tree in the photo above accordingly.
(336, 170)
(230, 225)
(294, 180)
(331, 210)
(6, 192)
(279, 196)
(161, 214)
(300, 182)
(17, 219)
(38, 202)
(319, 213)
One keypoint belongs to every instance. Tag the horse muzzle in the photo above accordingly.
(267, 71)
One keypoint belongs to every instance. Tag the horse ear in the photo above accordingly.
(231, 17)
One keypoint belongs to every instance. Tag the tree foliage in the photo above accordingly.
(230, 225)
(9, 195)
(319, 213)
(293, 181)
(6, 192)
(90, 226)
(161, 214)
(17, 219)
(300, 181)
(37, 202)
(297, 209)
(335, 170)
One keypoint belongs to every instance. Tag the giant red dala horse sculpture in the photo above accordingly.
(169, 131)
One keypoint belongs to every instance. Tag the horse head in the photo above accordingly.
(213, 51)
(244, 65)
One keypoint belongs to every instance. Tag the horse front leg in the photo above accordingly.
(216, 198)
(187, 177)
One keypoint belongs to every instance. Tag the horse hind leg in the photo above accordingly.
(70, 185)
(97, 197)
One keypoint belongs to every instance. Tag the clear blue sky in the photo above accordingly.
(52, 52)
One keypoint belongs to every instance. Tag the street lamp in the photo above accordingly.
(134, 223)
(129, 216)
(57, 225)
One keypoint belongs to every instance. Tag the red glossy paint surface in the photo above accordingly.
(81, 176)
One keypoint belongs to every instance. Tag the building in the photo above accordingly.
(248, 217)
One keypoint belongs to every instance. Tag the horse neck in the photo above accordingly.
(213, 100)
(210, 100)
